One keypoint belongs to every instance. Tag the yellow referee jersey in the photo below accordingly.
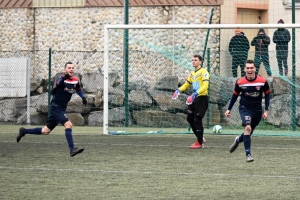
(199, 80)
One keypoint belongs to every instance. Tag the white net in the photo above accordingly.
(144, 69)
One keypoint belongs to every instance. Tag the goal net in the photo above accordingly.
(145, 64)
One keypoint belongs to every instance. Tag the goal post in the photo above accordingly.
(151, 54)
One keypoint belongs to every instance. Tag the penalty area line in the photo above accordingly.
(150, 172)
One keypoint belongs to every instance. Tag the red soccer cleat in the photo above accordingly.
(196, 145)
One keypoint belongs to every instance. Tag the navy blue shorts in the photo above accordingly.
(250, 117)
(57, 116)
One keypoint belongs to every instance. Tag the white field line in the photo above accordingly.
(151, 145)
(148, 172)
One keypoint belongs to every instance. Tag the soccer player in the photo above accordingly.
(251, 88)
(198, 101)
(66, 85)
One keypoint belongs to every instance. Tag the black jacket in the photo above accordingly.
(239, 45)
(261, 43)
(282, 37)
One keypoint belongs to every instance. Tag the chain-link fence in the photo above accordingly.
(152, 78)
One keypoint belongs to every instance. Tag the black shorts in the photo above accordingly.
(250, 117)
(57, 115)
(199, 106)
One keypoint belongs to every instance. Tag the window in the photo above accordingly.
(288, 3)
(58, 3)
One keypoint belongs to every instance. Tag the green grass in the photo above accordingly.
(158, 166)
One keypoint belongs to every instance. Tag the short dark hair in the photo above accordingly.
(250, 62)
(198, 56)
(68, 63)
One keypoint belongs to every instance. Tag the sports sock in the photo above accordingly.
(241, 138)
(247, 144)
(69, 137)
(199, 134)
(35, 131)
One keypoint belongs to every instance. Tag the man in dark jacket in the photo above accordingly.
(261, 43)
(282, 37)
(238, 48)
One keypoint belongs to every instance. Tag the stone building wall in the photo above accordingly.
(81, 30)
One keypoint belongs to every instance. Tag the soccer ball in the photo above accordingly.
(217, 129)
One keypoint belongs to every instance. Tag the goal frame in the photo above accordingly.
(175, 26)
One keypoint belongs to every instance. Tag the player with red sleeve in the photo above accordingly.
(251, 88)
(66, 85)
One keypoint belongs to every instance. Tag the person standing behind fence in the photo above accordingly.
(238, 48)
(198, 101)
(261, 43)
(282, 37)
(66, 85)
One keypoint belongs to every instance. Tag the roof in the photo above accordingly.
(15, 3)
(154, 2)
(118, 3)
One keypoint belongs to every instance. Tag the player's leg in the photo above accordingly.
(60, 116)
(38, 130)
(23, 131)
(191, 120)
(68, 133)
(201, 105)
(244, 114)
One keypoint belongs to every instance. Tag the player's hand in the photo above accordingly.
(191, 98)
(227, 113)
(84, 101)
(176, 94)
(265, 115)
(66, 76)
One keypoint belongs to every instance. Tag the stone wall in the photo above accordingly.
(81, 30)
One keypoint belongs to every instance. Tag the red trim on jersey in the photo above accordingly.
(259, 81)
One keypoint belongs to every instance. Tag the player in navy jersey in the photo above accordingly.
(251, 88)
(66, 85)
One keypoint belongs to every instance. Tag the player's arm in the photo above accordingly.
(80, 93)
(186, 85)
(205, 83)
(267, 92)
(233, 99)
(62, 78)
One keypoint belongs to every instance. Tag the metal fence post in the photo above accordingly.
(49, 81)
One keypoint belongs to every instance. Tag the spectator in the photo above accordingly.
(261, 43)
(238, 48)
(282, 37)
